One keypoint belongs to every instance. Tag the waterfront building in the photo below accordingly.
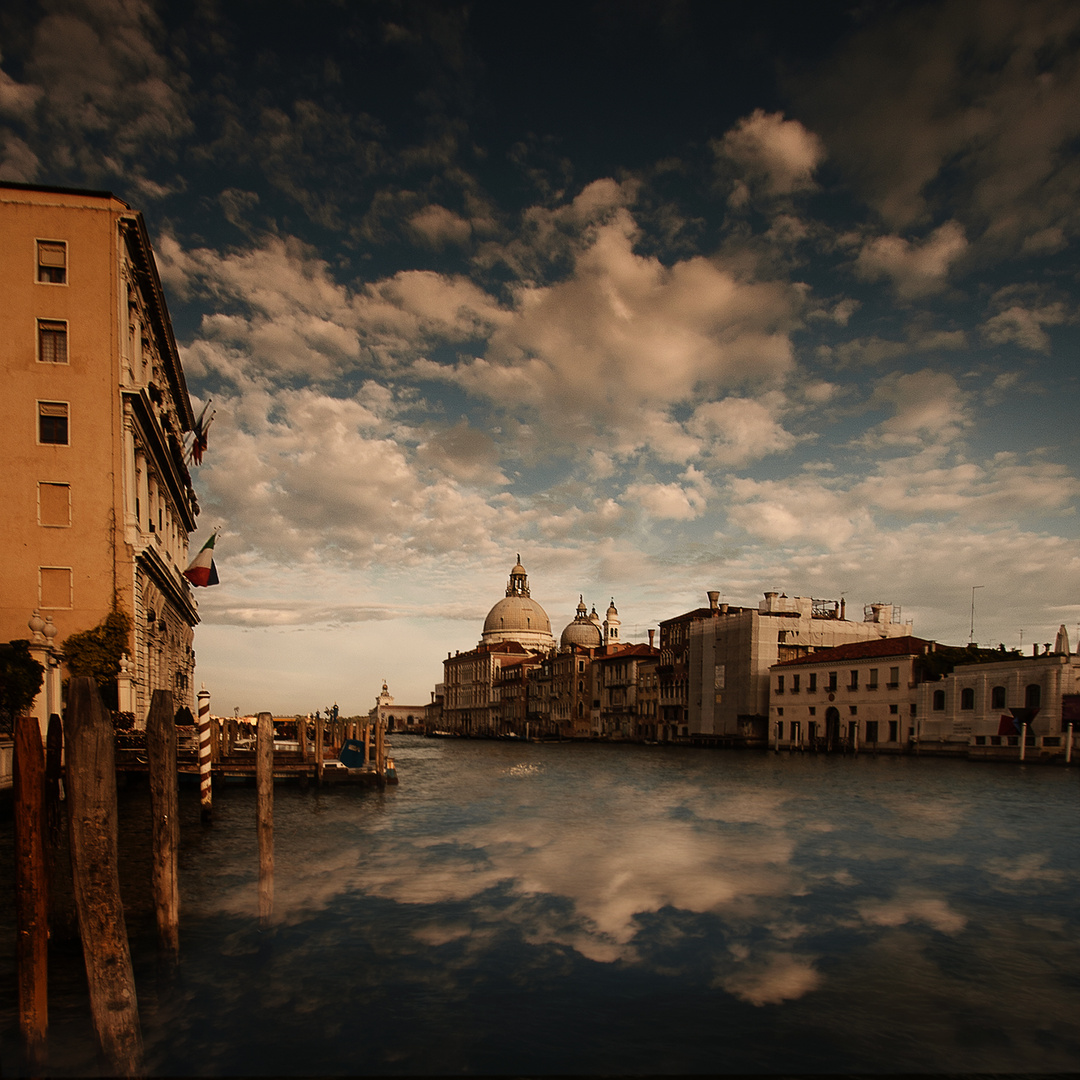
(731, 652)
(648, 696)
(518, 681)
(403, 719)
(861, 694)
(97, 496)
(985, 709)
(617, 676)
(673, 670)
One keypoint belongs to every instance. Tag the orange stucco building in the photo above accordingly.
(97, 496)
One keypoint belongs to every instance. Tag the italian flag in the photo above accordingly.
(202, 570)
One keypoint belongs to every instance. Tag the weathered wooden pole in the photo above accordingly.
(264, 786)
(380, 750)
(63, 922)
(301, 737)
(92, 820)
(1023, 741)
(165, 818)
(206, 795)
(31, 889)
(1068, 743)
(319, 749)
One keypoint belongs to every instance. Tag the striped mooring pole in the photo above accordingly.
(205, 791)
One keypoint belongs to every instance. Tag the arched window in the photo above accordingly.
(1033, 696)
(997, 697)
(939, 700)
(967, 698)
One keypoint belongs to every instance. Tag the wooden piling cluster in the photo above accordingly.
(85, 861)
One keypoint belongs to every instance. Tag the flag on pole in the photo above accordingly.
(202, 427)
(202, 570)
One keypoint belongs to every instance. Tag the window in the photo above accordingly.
(780, 731)
(1033, 696)
(871, 679)
(939, 700)
(813, 710)
(871, 731)
(894, 677)
(780, 711)
(894, 709)
(997, 697)
(967, 698)
(54, 505)
(794, 684)
(54, 587)
(853, 682)
(813, 681)
(53, 422)
(779, 684)
(52, 341)
(853, 709)
(52, 262)
(832, 680)
(914, 709)
(893, 730)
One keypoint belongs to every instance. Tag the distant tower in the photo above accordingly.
(611, 625)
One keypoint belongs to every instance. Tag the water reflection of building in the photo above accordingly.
(98, 501)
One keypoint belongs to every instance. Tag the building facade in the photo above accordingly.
(864, 694)
(399, 719)
(98, 499)
(731, 652)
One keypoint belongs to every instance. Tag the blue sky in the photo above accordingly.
(664, 296)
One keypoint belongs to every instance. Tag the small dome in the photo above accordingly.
(582, 631)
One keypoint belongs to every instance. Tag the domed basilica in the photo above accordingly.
(517, 617)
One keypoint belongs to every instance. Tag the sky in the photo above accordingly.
(661, 296)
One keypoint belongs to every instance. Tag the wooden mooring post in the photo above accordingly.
(92, 820)
(319, 768)
(264, 815)
(165, 819)
(31, 896)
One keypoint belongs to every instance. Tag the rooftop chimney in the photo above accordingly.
(652, 635)
(714, 599)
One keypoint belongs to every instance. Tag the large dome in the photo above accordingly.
(584, 630)
(518, 617)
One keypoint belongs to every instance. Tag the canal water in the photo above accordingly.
(532, 909)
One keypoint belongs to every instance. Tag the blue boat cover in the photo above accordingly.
(352, 754)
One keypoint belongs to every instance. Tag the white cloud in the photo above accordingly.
(1024, 326)
(928, 406)
(436, 226)
(624, 334)
(740, 430)
(915, 268)
(780, 155)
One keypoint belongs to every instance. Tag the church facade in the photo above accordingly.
(518, 681)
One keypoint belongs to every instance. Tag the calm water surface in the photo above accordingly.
(595, 909)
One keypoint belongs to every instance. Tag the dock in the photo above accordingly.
(299, 756)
